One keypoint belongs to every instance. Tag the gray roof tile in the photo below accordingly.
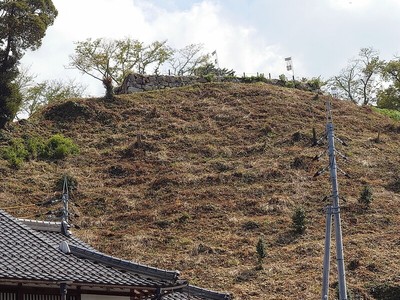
(28, 255)
(30, 251)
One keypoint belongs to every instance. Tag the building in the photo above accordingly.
(44, 261)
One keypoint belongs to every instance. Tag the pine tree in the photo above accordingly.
(261, 252)
(299, 221)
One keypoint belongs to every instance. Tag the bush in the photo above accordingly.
(20, 150)
(71, 181)
(391, 113)
(58, 147)
(299, 221)
(366, 196)
(261, 252)
(35, 146)
(16, 153)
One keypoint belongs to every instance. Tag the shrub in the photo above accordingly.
(21, 150)
(16, 153)
(35, 146)
(71, 181)
(366, 196)
(391, 113)
(299, 221)
(315, 83)
(261, 252)
(58, 147)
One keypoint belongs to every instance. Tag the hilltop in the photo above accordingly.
(191, 178)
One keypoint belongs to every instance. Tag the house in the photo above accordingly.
(44, 261)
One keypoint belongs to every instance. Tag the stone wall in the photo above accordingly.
(140, 83)
(134, 83)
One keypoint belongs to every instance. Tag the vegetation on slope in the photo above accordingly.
(192, 178)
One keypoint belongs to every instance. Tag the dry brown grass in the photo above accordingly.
(190, 178)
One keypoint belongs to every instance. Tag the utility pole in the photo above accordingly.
(65, 199)
(333, 211)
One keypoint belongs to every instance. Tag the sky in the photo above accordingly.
(249, 35)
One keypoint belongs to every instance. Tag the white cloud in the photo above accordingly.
(350, 5)
(249, 36)
(239, 47)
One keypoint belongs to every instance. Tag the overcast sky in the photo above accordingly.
(249, 35)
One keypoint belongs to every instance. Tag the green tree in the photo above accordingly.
(366, 196)
(211, 69)
(110, 61)
(389, 98)
(48, 91)
(299, 220)
(23, 24)
(261, 252)
(358, 81)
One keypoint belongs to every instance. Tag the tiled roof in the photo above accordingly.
(34, 255)
(27, 255)
(53, 233)
(195, 293)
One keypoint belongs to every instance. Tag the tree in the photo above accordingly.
(357, 82)
(46, 92)
(211, 69)
(187, 60)
(110, 61)
(390, 97)
(23, 25)
(391, 71)
(370, 68)
(346, 82)
(261, 252)
(299, 221)
(366, 196)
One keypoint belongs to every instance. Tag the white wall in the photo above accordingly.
(100, 297)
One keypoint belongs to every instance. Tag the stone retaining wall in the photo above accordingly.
(139, 83)
(134, 83)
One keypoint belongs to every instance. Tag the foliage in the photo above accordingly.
(35, 146)
(27, 148)
(22, 26)
(299, 220)
(261, 251)
(391, 113)
(10, 98)
(71, 181)
(58, 147)
(188, 60)
(315, 83)
(391, 71)
(115, 59)
(23, 149)
(366, 196)
(38, 95)
(358, 82)
(210, 69)
(389, 98)
(251, 79)
(283, 78)
(16, 153)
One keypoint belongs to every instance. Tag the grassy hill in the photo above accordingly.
(191, 178)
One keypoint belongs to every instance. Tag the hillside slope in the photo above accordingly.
(191, 178)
